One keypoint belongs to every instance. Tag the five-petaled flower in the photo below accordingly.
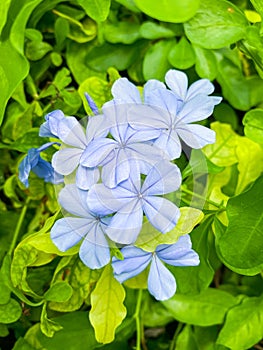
(161, 282)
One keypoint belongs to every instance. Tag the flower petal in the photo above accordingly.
(179, 253)
(177, 82)
(196, 136)
(94, 250)
(125, 92)
(161, 213)
(164, 177)
(169, 142)
(135, 261)
(67, 232)
(87, 177)
(203, 86)
(126, 224)
(74, 200)
(97, 127)
(166, 101)
(161, 282)
(71, 132)
(96, 152)
(142, 117)
(66, 160)
(198, 108)
(103, 200)
(149, 87)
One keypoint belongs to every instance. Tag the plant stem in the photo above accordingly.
(137, 320)
(217, 205)
(18, 226)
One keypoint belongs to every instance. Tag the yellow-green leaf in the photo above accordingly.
(150, 238)
(107, 309)
(250, 162)
(223, 151)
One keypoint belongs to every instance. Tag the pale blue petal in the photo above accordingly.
(164, 177)
(30, 160)
(44, 130)
(161, 282)
(169, 142)
(143, 135)
(161, 213)
(117, 170)
(103, 200)
(74, 201)
(43, 170)
(167, 103)
(146, 153)
(196, 136)
(198, 108)
(149, 87)
(177, 82)
(67, 232)
(135, 261)
(179, 253)
(66, 160)
(87, 177)
(97, 127)
(97, 151)
(121, 132)
(143, 117)
(94, 250)
(202, 86)
(126, 92)
(50, 127)
(126, 224)
(72, 133)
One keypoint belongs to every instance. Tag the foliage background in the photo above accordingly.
(53, 51)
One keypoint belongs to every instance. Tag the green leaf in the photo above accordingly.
(170, 10)
(250, 162)
(206, 337)
(149, 238)
(13, 65)
(4, 7)
(107, 309)
(35, 50)
(47, 326)
(22, 344)
(223, 151)
(154, 314)
(205, 309)
(216, 24)
(244, 325)
(253, 122)
(10, 312)
(239, 245)
(182, 55)
(226, 114)
(76, 332)
(3, 330)
(79, 277)
(118, 56)
(59, 292)
(153, 31)
(192, 280)
(186, 340)
(155, 63)
(122, 32)
(205, 63)
(96, 9)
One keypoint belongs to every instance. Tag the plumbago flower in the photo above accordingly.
(161, 282)
(172, 110)
(84, 225)
(126, 146)
(39, 166)
(129, 200)
(75, 140)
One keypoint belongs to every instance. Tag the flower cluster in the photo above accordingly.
(116, 170)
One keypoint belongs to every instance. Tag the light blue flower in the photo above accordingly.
(171, 111)
(50, 127)
(75, 140)
(129, 200)
(127, 146)
(161, 282)
(83, 225)
(42, 168)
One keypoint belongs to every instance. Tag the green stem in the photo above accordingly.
(178, 330)
(18, 226)
(217, 205)
(137, 320)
